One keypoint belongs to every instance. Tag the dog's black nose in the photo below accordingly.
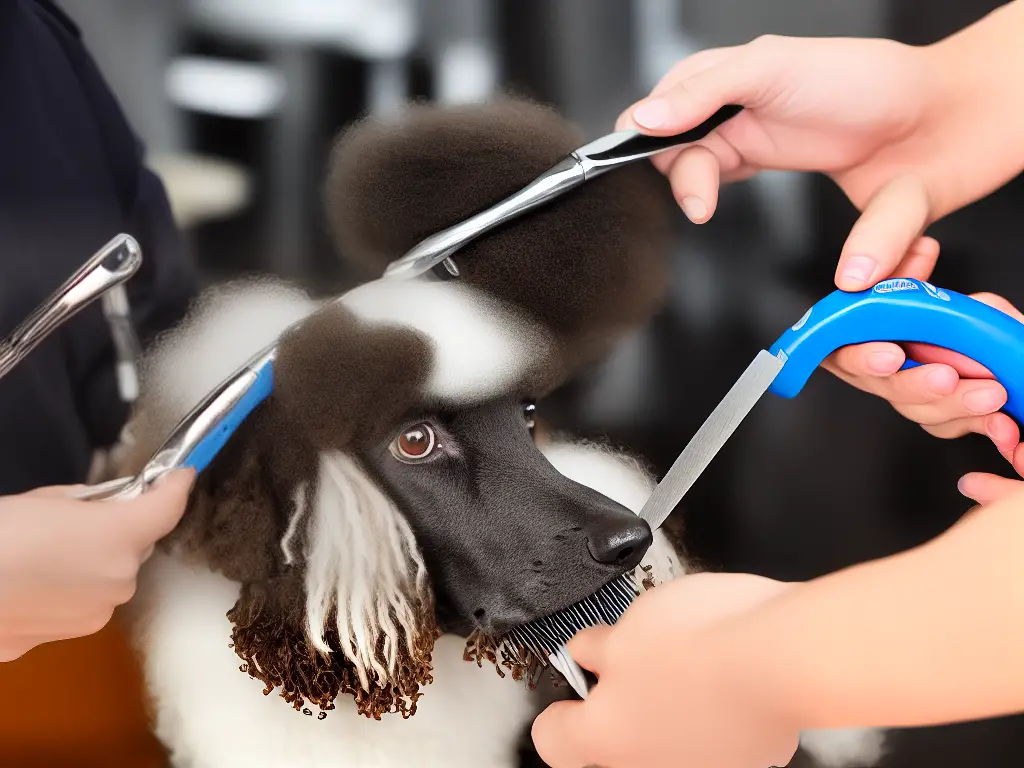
(620, 543)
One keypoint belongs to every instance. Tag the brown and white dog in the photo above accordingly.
(389, 506)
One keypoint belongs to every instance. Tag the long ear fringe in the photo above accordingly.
(275, 650)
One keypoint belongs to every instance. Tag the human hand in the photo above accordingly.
(66, 564)
(659, 700)
(949, 394)
(855, 109)
(987, 489)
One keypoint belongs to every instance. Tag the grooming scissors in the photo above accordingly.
(111, 266)
(583, 164)
(203, 432)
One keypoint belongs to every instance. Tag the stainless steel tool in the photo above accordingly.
(203, 432)
(588, 162)
(109, 267)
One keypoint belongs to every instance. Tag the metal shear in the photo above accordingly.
(110, 267)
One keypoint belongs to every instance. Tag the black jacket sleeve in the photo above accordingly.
(72, 176)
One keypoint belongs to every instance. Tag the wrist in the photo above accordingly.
(972, 123)
(749, 657)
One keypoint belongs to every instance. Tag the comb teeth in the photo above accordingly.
(548, 635)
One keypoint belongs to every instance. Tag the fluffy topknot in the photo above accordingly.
(588, 266)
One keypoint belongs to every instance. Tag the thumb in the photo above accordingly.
(587, 648)
(890, 225)
(561, 737)
(987, 489)
(741, 79)
(158, 510)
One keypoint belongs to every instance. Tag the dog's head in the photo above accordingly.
(390, 488)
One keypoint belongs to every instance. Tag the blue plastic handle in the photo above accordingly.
(207, 449)
(905, 310)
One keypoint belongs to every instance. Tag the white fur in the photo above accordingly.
(362, 560)
(224, 330)
(480, 347)
(621, 479)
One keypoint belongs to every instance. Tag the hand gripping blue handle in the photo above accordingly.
(905, 310)
(207, 449)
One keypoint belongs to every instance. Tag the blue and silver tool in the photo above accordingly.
(198, 438)
(898, 310)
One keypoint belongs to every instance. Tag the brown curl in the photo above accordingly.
(275, 649)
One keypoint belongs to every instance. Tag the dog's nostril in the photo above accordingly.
(622, 545)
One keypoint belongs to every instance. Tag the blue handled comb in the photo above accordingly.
(899, 310)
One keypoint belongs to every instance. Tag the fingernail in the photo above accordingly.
(982, 401)
(694, 209)
(884, 362)
(994, 430)
(941, 381)
(859, 270)
(652, 114)
(962, 486)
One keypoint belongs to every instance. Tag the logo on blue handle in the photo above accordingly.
(895, 285)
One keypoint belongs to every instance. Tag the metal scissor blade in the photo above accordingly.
(709, 439)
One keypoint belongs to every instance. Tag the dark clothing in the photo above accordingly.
(71, 178)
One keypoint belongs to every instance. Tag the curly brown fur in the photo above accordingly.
(267, 635)
(588, 266)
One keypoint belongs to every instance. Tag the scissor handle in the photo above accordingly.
(905, 310)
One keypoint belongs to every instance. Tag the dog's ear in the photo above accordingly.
(334, 600)
(589, 265)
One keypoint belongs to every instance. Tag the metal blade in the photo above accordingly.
(709, 439)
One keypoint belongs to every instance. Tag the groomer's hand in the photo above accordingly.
(894, 126)
(65, 564)
(659, 702)
(855, 109)
(950, 396)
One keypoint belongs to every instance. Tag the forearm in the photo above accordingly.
(976, 117)
(931, 636)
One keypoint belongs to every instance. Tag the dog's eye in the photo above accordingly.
(416, 443)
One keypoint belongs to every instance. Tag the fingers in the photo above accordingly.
(920, 259)
(588, 647)
(987, 489)
(694, 177)
(55, 491)
(890, 224)
(156, 512)
(561, 736)
(1000, 428)
(732, 77)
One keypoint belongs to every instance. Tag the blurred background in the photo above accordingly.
(238, 102)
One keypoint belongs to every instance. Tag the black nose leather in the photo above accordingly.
(620, 543)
